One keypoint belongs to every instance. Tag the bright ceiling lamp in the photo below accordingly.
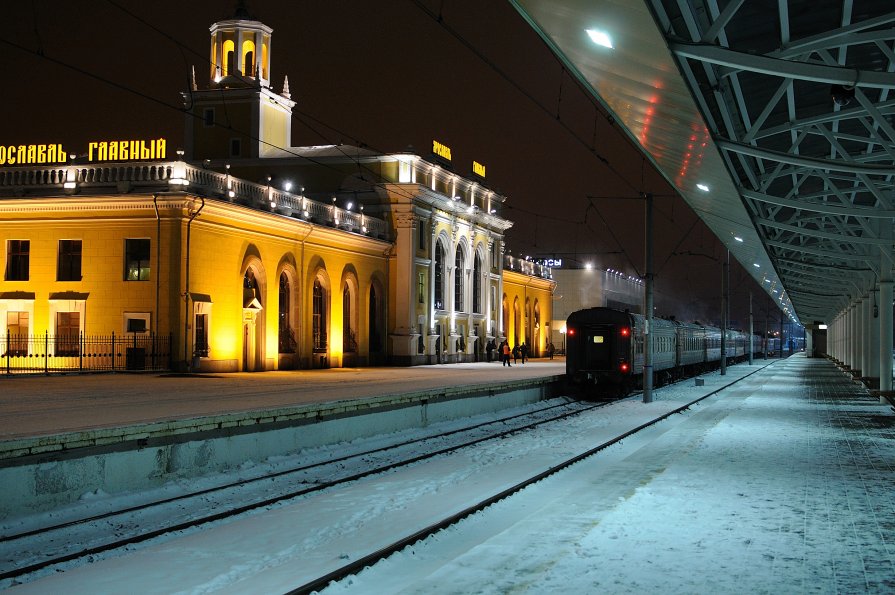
(703, 187)
(599, 38)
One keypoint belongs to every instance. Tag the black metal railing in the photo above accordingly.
(47, 354)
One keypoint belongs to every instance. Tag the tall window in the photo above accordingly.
(319, 317)
(201, 345)
(477, 284)
(421, 229)
(349, 338)
(18, 253)
(439, 277)
(136, 259)
(17, 333)
(421, 288)
(287, 336)
(458, 281)
(68, 263)
(373, 317)
(68, 327)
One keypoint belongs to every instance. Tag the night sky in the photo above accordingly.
(389, 75)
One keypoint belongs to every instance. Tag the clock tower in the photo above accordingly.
(237, 115)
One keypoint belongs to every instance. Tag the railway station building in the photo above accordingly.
(242, 252)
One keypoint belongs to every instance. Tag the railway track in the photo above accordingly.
(359, 563)
(31, 551)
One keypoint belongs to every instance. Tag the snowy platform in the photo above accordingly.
(779, 484)
(56, 413)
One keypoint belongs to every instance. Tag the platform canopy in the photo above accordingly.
(774, 121)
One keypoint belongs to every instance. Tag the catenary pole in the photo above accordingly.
(751, 330)
(648, 305)
(724, 266)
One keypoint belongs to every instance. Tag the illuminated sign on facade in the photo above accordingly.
(478, 169)
(32, 154)
(441, 150)
(127, 150)
(116, 150)
(553, 263)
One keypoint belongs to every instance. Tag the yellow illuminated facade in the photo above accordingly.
(250, 254)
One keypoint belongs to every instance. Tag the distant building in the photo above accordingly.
(577, 289)
(247, 253)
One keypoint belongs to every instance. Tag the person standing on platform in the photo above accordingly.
(505, 353)
(550, 349)
(523, 351)
(515, 353)
(490, 349)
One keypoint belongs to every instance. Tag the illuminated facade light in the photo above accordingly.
(71, 176)
(599, 38)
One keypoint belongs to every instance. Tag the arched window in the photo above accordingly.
(319, 316)
(287, 335)
(229, 58)
(250, 291)
(458, 281)
(477, 284)
(439, 277)
(248, 57)
(506, 317)
(349, 337)
(373, 315)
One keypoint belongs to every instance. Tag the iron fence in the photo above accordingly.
(48, 354)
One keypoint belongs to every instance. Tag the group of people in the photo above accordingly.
(504, 352)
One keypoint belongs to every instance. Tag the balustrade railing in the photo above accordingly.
(526, 267)
(205, 182)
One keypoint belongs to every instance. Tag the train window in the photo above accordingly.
(598, 338)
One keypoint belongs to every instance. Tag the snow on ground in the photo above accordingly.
(781, 484)
(760, 492)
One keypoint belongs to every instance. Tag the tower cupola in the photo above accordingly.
(240, 51)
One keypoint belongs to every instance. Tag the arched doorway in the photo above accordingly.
(319, 324)
(252, 342)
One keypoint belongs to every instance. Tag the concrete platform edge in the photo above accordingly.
(48, 444)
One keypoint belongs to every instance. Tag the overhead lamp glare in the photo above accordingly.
(599, 38)
(702, 187)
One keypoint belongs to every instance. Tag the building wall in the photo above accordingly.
(577, 289)
(527, 307)
(222, 243)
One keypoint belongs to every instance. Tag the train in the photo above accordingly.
(604, 350)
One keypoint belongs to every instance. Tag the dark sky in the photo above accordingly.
(388, 74)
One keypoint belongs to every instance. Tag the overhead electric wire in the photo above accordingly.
(439, 19)
(288, 150)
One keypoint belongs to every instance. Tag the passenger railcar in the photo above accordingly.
(604, 348)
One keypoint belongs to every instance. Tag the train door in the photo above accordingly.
(598, 347)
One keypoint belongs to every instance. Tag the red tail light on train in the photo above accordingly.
(624, 368)
(625, 332)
